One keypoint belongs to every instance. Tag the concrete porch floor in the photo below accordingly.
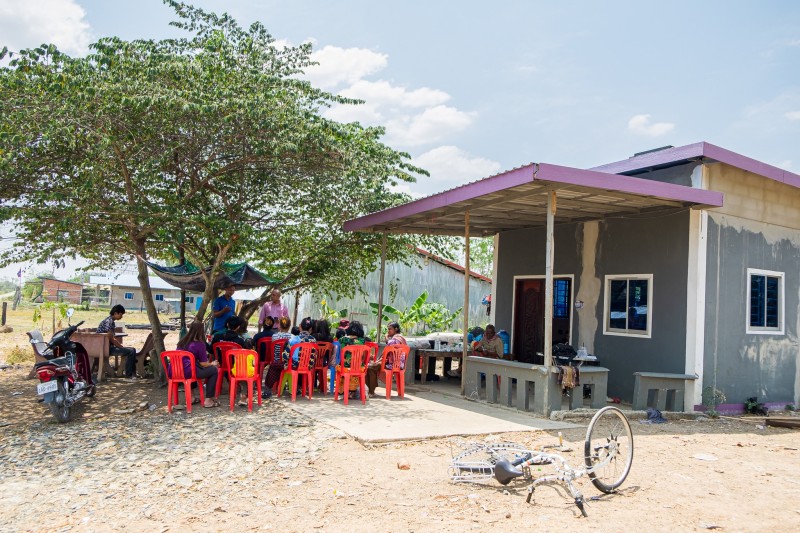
(427, 411)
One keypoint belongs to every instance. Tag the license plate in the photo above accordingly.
(47, 386)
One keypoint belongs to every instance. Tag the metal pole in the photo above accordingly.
(380, 288)
(465, 343)
(548, 300)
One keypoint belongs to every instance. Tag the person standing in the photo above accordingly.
(274, 308)
(393, 336)
(109, 327)
(223, 307)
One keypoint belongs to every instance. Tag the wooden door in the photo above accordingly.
(529, 317)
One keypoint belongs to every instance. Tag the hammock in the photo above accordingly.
(189, 277)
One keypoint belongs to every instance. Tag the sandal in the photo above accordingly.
(214, 403)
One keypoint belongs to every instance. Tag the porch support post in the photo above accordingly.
(548, 299)
(465, 344)
(380, 288)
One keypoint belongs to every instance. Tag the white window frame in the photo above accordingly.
(757, 330)
(648, 333)
(128, 296)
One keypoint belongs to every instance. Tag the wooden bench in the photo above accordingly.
(666, 386)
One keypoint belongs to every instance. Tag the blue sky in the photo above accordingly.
(470, 90)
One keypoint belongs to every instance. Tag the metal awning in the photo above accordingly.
(518, 198)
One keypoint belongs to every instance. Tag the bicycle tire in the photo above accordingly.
(608, 450)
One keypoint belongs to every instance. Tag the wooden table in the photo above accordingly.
(426, 355)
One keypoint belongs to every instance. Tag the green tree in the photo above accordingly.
(210, 144)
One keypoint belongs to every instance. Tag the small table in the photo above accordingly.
(427, 355)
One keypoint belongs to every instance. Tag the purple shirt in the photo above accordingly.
(275, 310)
(198, 349)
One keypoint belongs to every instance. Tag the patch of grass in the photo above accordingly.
(18, 355)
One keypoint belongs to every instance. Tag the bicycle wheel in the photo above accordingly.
(608, 450)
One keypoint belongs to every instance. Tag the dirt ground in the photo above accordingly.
(687, 475)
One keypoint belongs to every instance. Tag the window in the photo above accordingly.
(189, 299)
(129, 296)
(159, 297)
(765, 301)
(628, 305)
(561, 298)
(62, 295)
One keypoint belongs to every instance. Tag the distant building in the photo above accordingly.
(106, 291)
(55, 290)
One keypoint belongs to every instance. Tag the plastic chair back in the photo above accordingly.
(219, 349)
(396, 357)
(242, 367)
(373, 351)
(264, 349)
(321, 363)
(353, 365)
(172, 362)
(307, 351)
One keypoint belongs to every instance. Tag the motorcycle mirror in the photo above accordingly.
(70, 312)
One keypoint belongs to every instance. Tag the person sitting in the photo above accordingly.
(491, 345)
(265, 333)
(234, 328)
(194, 342)
(304, 336)
(223, 307)
(276, 367)
(354, 336)
(109, 327)
(393, 336)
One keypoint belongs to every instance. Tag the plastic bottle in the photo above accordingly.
(503, 334)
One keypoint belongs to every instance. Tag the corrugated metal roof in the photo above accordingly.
(518, 199)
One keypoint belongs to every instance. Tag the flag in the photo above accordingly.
(19, 274)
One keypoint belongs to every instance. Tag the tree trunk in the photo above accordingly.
(152, 314)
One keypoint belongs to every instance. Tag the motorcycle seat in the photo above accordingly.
(58, 361)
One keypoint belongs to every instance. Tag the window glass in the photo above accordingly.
(159, 297)
(765, 302)
(561, 298)
(129, 296)
(628, 305)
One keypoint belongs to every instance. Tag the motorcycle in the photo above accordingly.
(66, 377)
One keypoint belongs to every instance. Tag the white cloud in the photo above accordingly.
(343, 65)
(432, 125)
(793, 115)
(450, 167)
(382, 92)
(27, 24)
(640, 124)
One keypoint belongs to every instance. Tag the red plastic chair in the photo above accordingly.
(278, 347)
(304, 369)
(172, 362)
(373, 351)
(324, 354)
(358, 356)
(238, 371)
(218, 351)
(265, 355)
(397, 355)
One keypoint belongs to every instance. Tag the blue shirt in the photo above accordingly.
(219, 304)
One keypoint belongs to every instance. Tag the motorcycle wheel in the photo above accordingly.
(91, 392)
(61, 412)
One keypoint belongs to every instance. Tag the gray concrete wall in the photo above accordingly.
(739, 364)
(656, 245)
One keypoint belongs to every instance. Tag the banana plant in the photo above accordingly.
(407, 318)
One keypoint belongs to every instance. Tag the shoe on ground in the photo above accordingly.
(266, 395)
(132, 378)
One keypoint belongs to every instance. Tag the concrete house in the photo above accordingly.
(679, 260)
(124, 289)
